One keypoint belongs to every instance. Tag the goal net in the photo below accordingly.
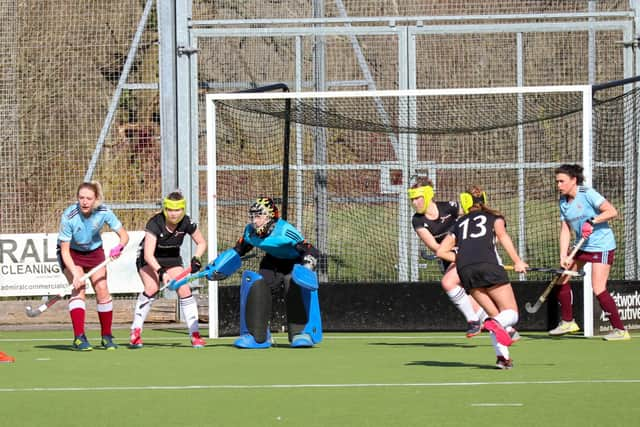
(339, 165)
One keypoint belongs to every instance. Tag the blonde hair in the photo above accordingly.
(96, 187)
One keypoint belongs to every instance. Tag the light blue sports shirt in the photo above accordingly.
(82, 232)
(576, 212)
(280, 243)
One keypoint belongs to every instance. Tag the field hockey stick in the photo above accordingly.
(184, 273)
(188, 279)
(560, 271)
(206, 271)
(542, 298)
(427, 255)
(33, 312)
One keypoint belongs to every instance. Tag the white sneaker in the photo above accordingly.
(564, 328)
(617, 335)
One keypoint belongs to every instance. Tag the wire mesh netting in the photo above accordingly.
(350, 161)
(59, 82)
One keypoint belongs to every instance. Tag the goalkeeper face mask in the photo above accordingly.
(173, 210)
(467, 200)
(426, 192)
(263, 214)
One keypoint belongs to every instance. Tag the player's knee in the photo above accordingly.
(507, 317)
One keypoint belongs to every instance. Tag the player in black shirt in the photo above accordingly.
(481, 269)
(160, 261)
(432, 222)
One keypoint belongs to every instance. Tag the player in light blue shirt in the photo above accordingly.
(80, 250)
(586, 212)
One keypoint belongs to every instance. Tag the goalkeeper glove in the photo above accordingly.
(309, 262)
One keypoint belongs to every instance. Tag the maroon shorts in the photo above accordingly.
(604, 257)
(84, 259)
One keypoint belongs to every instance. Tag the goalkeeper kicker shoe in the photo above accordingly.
(135, 339)
(197, 341)
(302, 341)
(80, 343)
(564, 328)
(248, 341)
(617, 335)
(107, 342)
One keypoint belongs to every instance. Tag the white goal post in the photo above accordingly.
(407, 145)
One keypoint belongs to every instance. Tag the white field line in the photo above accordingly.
(494, 405)
(459, 336)
(312, 386)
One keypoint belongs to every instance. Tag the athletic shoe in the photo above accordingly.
(302, 341)
(197, 341)
(107, 342)
(501, 335)
(5, 358)
(564, 328)
(504, 363)
(617, 335)
(515, 336)
(474, 328)
(135, 340)
(80, 343)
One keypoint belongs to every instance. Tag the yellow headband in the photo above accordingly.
(174, 204)
(426, 192)
(467, 200)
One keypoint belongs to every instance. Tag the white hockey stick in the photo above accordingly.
(34, 312)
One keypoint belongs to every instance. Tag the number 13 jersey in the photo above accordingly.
(476, 239)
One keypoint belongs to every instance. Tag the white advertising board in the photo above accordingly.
(28, 265)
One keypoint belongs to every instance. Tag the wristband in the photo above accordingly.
(592, 220)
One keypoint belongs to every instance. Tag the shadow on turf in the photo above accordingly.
(443, 364)
(125, 346)
(426, 344)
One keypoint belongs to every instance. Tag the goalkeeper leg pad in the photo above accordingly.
(308, 333)
(255, 312)
(304, 277)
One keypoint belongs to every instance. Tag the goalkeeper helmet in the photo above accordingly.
(267, 207)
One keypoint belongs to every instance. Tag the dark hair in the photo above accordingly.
(175, 195)
(476, 192)
(420, 181)
(574, 171)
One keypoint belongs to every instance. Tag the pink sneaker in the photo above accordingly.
(135, 341)
(501, 335)
(197, 341)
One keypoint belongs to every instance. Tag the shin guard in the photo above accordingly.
(255, 312)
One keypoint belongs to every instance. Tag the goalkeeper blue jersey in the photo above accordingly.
(576, 212)
(280, 243)
(82, 232)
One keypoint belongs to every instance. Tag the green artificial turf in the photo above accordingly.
(358, 379)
